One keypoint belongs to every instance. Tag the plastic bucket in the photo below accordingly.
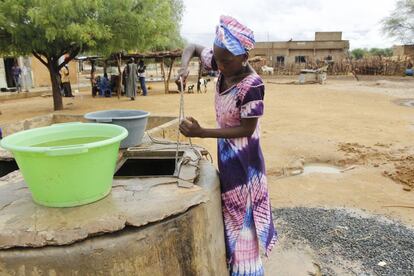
(135, 121)
(69, 164)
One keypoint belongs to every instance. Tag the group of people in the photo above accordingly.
(103, 86)
(134, 73)
(21, 77)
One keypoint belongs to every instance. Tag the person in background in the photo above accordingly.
(104, 86)
(239, 104)
(94, 81)
(16, 73)
(26, 77)
(141, 75)
(131, 78)
(65, 80)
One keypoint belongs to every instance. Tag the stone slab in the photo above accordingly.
(134, 202)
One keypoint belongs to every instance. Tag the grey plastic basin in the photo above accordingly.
(135, 121)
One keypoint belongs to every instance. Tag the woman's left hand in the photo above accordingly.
(191, 128)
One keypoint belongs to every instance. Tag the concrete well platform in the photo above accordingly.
(147, 225)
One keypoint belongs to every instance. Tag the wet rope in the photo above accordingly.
(179, 145)
(181, 117)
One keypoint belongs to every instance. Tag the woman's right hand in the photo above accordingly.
(182, 73)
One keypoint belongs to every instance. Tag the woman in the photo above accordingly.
(131, 78)
(238, 103)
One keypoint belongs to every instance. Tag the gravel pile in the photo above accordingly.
(379, 246)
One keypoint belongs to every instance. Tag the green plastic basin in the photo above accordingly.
(67, 165)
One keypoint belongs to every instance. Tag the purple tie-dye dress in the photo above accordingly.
(245, 199)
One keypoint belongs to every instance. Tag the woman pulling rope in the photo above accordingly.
(239, 104)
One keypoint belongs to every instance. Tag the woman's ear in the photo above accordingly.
(245, 59)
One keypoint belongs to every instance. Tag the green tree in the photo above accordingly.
(381, 52)
(358, 53)
(50, 29)
(400, 24)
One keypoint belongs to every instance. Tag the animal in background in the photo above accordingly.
(190, 88)
(267, 70)
(203, 82)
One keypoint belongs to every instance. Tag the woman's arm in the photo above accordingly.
(192, 50)
(191, 128)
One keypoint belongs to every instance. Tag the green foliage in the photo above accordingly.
(386, 52)
(359, 53)
(400, 24)
(50, 29)
(53, 28)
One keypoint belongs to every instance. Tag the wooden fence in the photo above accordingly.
(366, 66)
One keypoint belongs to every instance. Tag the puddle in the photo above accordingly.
(320, 168)
(406, 102)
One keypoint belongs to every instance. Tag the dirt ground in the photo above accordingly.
(363, 127)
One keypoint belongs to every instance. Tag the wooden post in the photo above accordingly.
(167, 85)
(163, 76)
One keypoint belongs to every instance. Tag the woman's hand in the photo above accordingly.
(191, 128)
(183, 73)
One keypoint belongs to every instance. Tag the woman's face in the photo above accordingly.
(228, 64)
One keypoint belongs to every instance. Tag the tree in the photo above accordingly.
(50, 29)
(400, 24)
(358, 53)
(381, 52)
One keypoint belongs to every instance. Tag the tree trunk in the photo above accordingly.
(55, 79)
(52, 65)
(92, 75)
(105, 67)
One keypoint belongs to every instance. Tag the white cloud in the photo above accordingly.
(359, 20)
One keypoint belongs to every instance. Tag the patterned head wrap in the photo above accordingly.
(233, 36)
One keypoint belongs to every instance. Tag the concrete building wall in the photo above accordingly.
(3, 82)
(289, 56)
(327, 45)
(403, 50)
(328, 36)
(41, 76)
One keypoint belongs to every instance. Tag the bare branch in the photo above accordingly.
(72, 54)
(39, 57)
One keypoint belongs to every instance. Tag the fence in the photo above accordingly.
(366, 66)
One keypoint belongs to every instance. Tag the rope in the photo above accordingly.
(179, 145)
(181, 117)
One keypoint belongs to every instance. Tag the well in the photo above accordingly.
(148, 225)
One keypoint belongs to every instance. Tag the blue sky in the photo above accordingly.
(279, 20)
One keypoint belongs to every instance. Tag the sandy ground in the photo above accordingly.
(362, 127)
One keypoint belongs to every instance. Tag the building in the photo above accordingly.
(35, 73)
(403, 51)
(326, 46)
